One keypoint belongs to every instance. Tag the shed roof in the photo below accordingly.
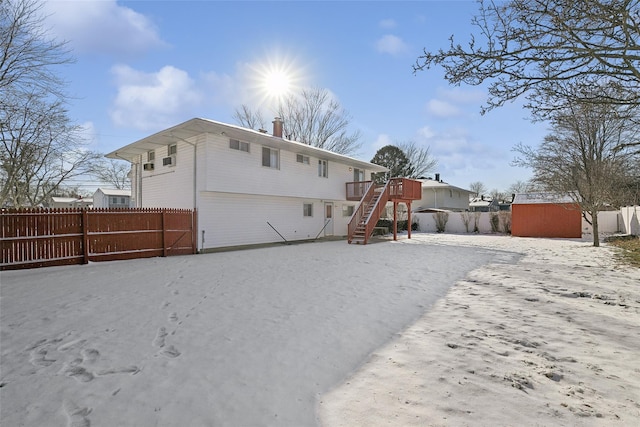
(542, 198)
(197, 126)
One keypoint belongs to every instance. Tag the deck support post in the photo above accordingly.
(408, 219)
(395, 220)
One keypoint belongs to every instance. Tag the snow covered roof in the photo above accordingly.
(431, 183)
(542, 198)
(198, 126)
(114, 192)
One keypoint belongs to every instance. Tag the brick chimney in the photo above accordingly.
(277, 127)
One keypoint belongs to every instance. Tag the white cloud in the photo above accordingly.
(392, 45)
(381, 141)
(101, 27)
(148, 101)
(443, 109)
(462, 96)
(426, 132)
(387, 23)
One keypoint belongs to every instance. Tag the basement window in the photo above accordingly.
(347, 210)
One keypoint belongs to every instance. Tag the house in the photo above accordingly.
(545, 215)
(484, 204)
(248, 187)
(71, 202)
(439, 195)
(111, 198)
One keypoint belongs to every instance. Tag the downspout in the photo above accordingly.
(195, 184)
(195, 168)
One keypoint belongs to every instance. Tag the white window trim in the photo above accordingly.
(303, 157)
(323, 168)
(241, 144)
(304, 210)
(271, 153)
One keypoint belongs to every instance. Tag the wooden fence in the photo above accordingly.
(45, 237)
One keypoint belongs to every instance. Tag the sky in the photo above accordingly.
(144, 66)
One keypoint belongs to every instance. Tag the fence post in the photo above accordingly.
(194, 231)
(164, 233)
(85, 236)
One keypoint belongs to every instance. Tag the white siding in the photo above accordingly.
(241, 219)
(170, 186)
(234, 171)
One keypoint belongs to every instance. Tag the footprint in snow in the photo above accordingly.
(77, 416)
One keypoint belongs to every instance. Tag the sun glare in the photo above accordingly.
(277, 83)
(275, 79)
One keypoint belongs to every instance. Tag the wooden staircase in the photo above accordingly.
(361, 234)
(373, 203)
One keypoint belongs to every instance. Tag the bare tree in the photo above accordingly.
(478, 188)
(533, 47)
(310, 117)
(41, 149)
(420, 159)
(520, 187)
(248, 118)
(582, 156)
(114, 173)
(314, 118)
(27, 54)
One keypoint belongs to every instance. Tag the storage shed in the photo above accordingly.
(545, 215)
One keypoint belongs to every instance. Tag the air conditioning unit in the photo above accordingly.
(169, 161)
(148, 166)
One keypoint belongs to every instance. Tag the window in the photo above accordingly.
(323, 168)
(307, 209)
(172, 149)
(302, 159)
(151, 156)
(270, 157)
(347, 210)
(114, 200)
(234, 144)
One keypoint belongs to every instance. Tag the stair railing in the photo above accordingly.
(359, 212)
(375, 213)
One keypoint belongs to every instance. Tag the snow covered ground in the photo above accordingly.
(533, 331)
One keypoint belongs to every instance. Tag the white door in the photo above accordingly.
(328, 219)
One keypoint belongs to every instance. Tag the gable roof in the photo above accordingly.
(114, 192)
(541, 198)
(197, 126)
(431, 183)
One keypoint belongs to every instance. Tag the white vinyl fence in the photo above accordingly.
(626, 221)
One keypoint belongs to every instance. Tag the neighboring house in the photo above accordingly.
(111, 198)
(248, 187)
(545, 215)
(71, 202)
(438, 195)
(484, 204)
